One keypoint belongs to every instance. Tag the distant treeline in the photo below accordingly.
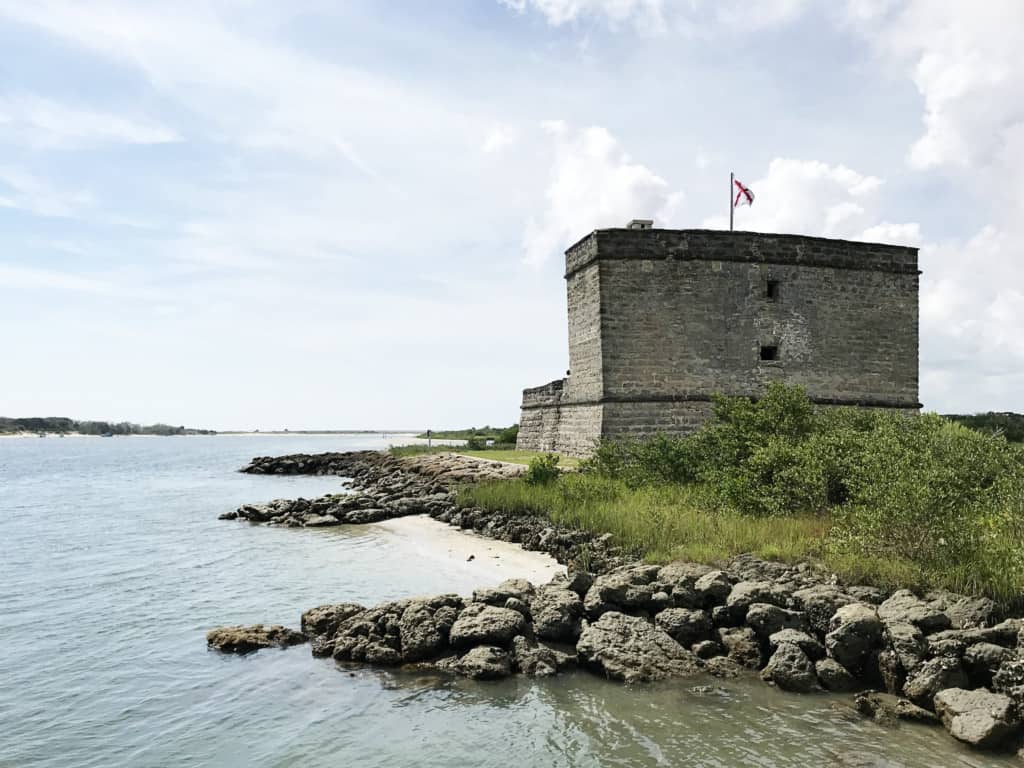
(504, 435)
(1011, 425)
(62, 424)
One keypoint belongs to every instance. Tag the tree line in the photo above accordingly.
(61, 424)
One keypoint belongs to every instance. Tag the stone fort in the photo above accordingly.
(660, 320)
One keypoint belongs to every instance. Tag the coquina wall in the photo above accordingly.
(660, 320)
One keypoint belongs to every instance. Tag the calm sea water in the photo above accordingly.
(113, 565)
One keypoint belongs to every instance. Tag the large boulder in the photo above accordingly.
(983, 659)
(933, 676)
(420, 636)
(746, 593)
(854, 632)
(520, 589)
(713, 588)
(886, 708)
(685, 625)
(556, 612)
(904, 607)
(804, 641)
(979, 718)
(246, 639)
(820, 603)
(540, 659)
(481, 624)
(790, 669)
(678, 581)
(741, 645)
(630, 649)
(324, 619)
(629, 587)
(485, 662)
(964, 611)
(834, 676)
(767, 619)
(908, 643)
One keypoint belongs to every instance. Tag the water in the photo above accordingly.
(114, 565)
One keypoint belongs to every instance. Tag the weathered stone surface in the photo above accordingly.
(741, 645)
(556, 612)
(891, 671)
(904, 607)
(480, 624)
(324, 619)
(979, 718)
(713, 588)
(419, 634)
(981, 661)
(723, 666)
(631, 586)
(766, 619)
(540, 659)
(520, 589)
(854, 632)
(964, 611)
(804, 641)
(686, 626)
(933, 676)
(485, 662)
(834, 676)
(246, 639)
(707, 649)
(820, 602)
(908, 643)
(630, 649)
(746, 593)
(790, 669)
(953, 642)
(1009, 676)
(886, 708)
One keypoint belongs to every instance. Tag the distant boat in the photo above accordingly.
(107, 434)
(40, 434)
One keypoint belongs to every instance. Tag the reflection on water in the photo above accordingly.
(114, 566)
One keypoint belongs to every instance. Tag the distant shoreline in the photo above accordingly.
(236, 433)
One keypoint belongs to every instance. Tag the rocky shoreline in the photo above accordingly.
(934, 658)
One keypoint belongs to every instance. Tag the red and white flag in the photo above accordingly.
(743, 195)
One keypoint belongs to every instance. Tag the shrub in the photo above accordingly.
(542, 470)
(508, 436)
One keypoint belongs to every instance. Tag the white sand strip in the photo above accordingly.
(493, 561)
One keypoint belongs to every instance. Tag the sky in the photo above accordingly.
(247, 214)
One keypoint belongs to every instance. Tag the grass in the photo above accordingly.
(677, 522)
(511, 456)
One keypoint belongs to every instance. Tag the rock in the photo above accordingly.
(904, 607)
(517, 605)
(741, 645)
(324, 619)
(706, 649)
(982, 660)
(721, 617)
(579, 582)
(834, 676)
(520, 589)
(964, 611)
(891, 672)
(319, 521)
(723, 666)
(908, 643)
(630, 649)
(485, 662)
(979, 718)
(854, 632)
(746, 593)
(1009, 676)
(790, 669)
(556, 613)
(419, 635)
(870, 595)
(1005, 633)
(766, 619)
(953, 642)
(480, 624)
(627, 587)
(933, 676)
(540, 659)
(684, 625)
(679, 579)
(820, 603)
(712, 588)
(802, 640)
(886, 708)
(246, 639)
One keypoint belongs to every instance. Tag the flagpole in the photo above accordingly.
(731, 206)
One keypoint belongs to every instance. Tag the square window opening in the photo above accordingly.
(769, 352)
(771, 290)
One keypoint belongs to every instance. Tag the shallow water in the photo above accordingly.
(114, 565)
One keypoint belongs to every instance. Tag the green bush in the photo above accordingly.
(508, 436)
(542, 470)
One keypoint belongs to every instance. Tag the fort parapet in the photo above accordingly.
(660, 320)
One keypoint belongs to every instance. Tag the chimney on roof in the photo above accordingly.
(640, 224)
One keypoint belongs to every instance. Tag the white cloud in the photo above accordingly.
(593, 184)
(43, 123)
(500, 137)
(813, 198)
(25, 191)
